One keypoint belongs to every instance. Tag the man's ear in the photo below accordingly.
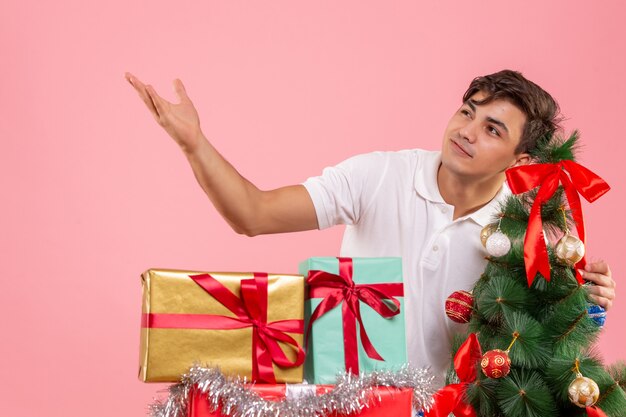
(521, 159)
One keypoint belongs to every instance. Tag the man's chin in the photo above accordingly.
(456, 168)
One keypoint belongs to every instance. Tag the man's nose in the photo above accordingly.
(469, 131)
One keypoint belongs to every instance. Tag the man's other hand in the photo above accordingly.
(603, 292)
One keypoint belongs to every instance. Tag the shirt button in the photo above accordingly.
(444, 210)
(435, 248)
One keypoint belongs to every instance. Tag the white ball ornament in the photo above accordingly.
(498, 244)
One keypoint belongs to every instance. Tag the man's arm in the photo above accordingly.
(247, 209)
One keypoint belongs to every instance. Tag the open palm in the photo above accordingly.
(180, 120)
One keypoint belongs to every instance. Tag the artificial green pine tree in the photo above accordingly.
(554, 331)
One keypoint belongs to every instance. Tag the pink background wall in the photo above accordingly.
(94, 192)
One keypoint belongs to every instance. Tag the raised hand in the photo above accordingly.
(180, 120)
(247, 209)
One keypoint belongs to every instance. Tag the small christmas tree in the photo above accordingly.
(531, 307)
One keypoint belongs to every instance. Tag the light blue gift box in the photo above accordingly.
(325, 351)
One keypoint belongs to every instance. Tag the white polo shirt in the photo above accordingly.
(391, 205)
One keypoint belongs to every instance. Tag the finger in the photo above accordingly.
(134, 81)
(158, 102)
(142, 92)
(599, 266)
(603, 292)
(602, 302)
(180, 90)
(598, 279)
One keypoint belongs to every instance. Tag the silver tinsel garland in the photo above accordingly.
(350, 395)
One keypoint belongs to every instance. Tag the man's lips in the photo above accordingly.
(461, 148)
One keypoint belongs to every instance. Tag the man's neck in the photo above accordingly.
(466, 195)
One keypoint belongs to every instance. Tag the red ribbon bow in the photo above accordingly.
(595, 412)
(449, 399)
(251, 311)
(548, 176)
(341, 289)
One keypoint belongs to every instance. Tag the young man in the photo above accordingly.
(426, 207)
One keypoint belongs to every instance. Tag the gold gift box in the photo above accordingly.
(166, 354)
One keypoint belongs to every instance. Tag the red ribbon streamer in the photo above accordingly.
(548, 176)
(341, 289)
(250, 311)
(595, 412)
(449, 399)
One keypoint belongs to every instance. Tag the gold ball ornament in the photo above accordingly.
(570, 249)
(486, 232)
(583, 392)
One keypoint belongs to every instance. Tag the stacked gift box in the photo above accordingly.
(347, 313)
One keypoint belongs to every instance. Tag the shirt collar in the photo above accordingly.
(425, 180)
(486, 213)
(425, 183)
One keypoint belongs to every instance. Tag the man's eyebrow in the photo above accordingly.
(472, 105)
(497, 122)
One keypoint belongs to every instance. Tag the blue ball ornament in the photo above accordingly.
(597, 314)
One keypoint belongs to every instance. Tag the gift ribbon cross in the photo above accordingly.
(341, 289)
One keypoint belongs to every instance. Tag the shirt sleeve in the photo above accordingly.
(344, 192)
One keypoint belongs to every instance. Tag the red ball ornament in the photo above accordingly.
(459, 306)
(496, 363)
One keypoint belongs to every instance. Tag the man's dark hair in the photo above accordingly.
(542, 111)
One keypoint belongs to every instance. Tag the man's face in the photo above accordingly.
(480, 140)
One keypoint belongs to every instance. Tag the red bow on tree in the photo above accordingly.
(575, 179)
(595, 412)
(449, 399)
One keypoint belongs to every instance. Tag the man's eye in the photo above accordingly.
(493, 131)
(465, 112)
